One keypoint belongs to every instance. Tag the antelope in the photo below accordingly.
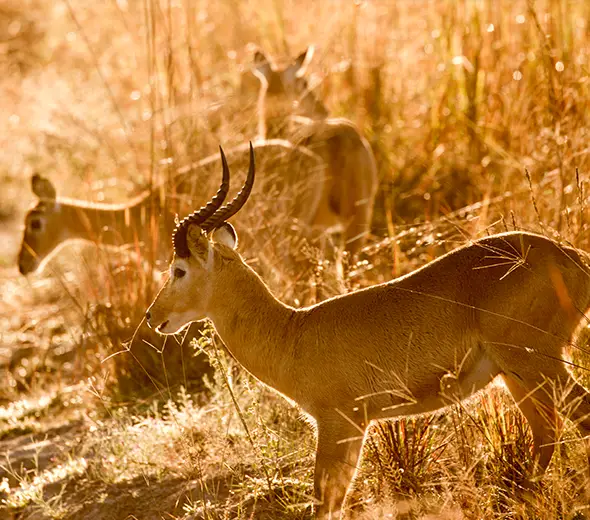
(146, 219)
(53, 221)
(505, 305)
(347, 200)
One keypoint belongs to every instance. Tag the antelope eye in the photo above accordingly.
(35, 225)
(179, 273)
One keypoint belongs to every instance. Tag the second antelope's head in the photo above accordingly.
(204, 251)
(284, 89)
(43, 226)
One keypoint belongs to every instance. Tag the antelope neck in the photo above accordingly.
(257, 329)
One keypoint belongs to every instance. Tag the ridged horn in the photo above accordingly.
(202, 214)
(231, 208)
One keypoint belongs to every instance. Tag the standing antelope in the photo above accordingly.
(351, 184)
(504, 305)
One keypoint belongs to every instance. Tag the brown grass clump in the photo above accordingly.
(478, 116)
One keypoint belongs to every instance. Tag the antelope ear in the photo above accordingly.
(262, 65)
(196, 241)
(226, 235)
(302, 61)
(42, 187)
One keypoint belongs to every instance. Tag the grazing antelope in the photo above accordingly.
(145, 219)
(506, 305)
(351, 179)
(53, 221)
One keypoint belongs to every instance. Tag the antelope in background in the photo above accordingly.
(348, 197)
(506, 305)
(147, 219)
(53, 221)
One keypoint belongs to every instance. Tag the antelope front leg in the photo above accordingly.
(338, 449)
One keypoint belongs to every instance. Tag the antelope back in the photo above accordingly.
(288, 186)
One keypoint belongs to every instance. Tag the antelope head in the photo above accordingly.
(288, 85)
(204, 245)
(42, 225)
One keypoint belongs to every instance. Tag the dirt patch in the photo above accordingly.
(37, 451)
(140, 498)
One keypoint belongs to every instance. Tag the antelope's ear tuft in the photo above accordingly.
(43, 187)
(226, 235)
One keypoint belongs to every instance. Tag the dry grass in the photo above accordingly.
(457, 99)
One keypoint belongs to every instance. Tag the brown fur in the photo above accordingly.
(504, 305)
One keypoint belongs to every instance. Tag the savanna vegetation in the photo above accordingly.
(478, 113)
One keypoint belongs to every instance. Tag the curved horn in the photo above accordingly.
(202, 214)
(231, 208)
